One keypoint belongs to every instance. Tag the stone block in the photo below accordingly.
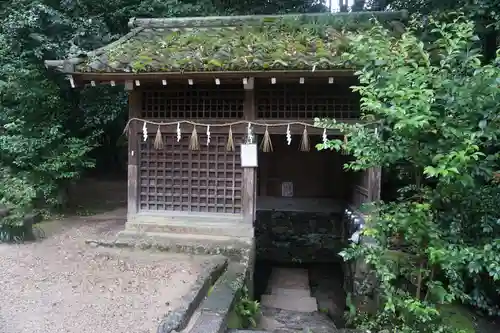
(223, 294)
(296, 222)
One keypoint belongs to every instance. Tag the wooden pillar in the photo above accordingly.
(263, 176)
(248, 195)
(374, 183)
(249, 174)
(134, 104)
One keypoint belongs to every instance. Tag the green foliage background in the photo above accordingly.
(47, 130)
(431, 106)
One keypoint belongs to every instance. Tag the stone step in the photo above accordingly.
(298, 293)
(231, 247)
(289, 278)
(290, 303)
(231, 228)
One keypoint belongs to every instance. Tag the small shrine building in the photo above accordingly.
(221, 117)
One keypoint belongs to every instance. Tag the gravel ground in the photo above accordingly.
(62, 285)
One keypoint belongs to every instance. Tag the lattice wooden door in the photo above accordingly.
(180, 180)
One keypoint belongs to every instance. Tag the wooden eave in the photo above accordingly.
(82, 79)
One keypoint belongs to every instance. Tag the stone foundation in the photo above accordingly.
(359, 278)
(303, 237)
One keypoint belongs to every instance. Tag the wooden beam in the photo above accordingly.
(210, 76)
(134, 103)
(175, 82)
(249, 105)
(129, 86)
(263, 175)
(248, 83)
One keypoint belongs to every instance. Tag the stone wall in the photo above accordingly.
(302, 237)
(359, 278)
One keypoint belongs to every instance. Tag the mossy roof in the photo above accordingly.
(248, 43)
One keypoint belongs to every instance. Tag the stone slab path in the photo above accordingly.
(289, 290)
(289, 308)
(60, 284)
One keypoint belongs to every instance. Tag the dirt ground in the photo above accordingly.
(62, 285)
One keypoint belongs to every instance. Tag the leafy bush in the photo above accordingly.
(431, 110)
(246, 309)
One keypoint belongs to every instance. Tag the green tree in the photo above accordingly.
(485, 13)
(430, 109)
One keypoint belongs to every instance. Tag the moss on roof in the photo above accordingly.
(255, 43)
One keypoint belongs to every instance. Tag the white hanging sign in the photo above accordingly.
(249, 155)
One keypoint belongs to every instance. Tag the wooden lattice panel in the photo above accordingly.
(192, 102)
(304, 101)
(177, 179)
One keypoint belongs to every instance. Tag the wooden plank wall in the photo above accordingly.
(366, 187)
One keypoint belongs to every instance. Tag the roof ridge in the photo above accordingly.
(218, 21)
